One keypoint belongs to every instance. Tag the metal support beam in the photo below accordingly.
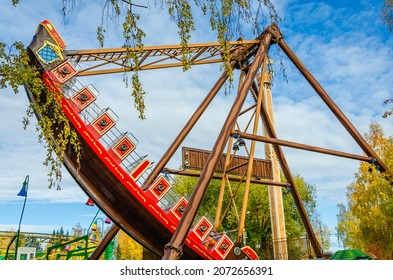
(300, 146)
(277, 215)
(108, 237)
(329, 102)
(288, 175)
(173, 250)
(115, 60)
(242, 222)
(223, 184)
(230, 178)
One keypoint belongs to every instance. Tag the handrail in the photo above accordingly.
(49, 249)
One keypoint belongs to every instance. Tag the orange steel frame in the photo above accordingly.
(248, 56)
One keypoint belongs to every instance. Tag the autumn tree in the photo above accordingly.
(365, 223)
(226, 18)
(128, 248)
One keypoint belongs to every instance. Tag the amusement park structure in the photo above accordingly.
(138, 196)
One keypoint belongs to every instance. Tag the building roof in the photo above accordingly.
(350, 255)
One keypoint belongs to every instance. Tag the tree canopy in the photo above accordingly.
(127, 248)
(365, 223)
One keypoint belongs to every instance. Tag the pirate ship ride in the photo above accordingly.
(138, 196)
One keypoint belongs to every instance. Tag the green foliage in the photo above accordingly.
(258, 224)
(180, 11)
(365, 223)
(53, 127)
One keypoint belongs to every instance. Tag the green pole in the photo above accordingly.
(23, 192)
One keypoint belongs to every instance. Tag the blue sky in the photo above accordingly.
(343, 43)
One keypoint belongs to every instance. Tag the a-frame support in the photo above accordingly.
(329, 102)
(271, 35)
(174, 248)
